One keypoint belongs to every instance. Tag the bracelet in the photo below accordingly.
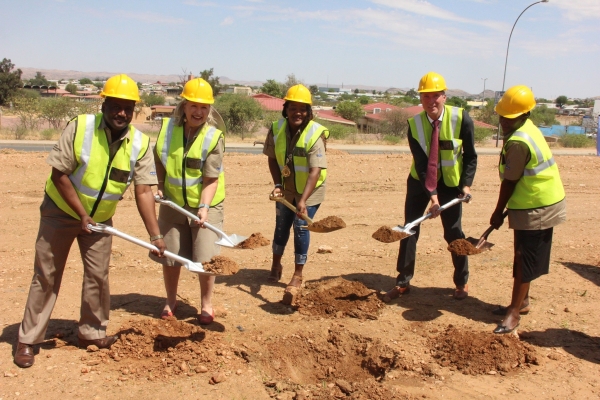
(204, 206)
(278, 185)
(153, 238)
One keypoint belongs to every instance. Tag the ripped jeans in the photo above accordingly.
(284, 218)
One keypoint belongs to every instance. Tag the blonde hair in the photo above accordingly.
(179, 115)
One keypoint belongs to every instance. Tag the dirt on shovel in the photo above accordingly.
(385, 234)
(221, 266)
(462, 247)
(328, 224)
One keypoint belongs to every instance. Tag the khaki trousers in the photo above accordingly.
(56, 234)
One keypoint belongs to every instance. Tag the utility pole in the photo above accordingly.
(483, 94)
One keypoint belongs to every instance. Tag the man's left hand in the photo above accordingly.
(466, 191)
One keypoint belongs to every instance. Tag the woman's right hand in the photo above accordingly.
(159, 193)
(277, 192)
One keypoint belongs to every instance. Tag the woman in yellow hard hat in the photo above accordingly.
(532, 192)
(296, 150)
(189, 167)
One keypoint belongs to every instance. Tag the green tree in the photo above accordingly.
(99, 85)
(10, 81)
(71, 88)
(487, 114)
(139, 85)
(395, 123)
(57, 111)
(412, 93)
(27, 109)
(347, 96)
(85, 81)
(213, 81)
(39, 80)
(349, 110)
(242, 114)
(364, 100)
(543, 115)
(561, 101)
(150, 100)
(458, 102)
(314, 90)
(272, 88)
(356, 91)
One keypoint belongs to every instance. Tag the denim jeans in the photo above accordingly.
(284, 219)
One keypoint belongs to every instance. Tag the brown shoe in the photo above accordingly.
(461, 292)
(103, 343)
(24, 356)
(396, 292)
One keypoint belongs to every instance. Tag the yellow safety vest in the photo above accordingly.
(183, 183)
(306, 141)
(98, 181)
(540, 185)
(450, 146)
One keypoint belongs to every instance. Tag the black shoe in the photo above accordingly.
(501, 310)
(501, 329)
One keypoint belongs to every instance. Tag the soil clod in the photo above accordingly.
(221, 266)
(329, 224)
(385, 234)
(462, 247)
(254, 241)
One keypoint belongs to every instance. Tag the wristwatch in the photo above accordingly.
(278, 185)
(153, 238)
(202, 205)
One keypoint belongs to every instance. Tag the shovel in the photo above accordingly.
(310, 222)
(224, 240)
(482, 243)
(407, 229)
(189, 265)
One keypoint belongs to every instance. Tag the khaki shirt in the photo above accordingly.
(516, 157)
(316, 158)
(62, 155)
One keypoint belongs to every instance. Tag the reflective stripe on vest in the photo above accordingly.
(187, 189)
(99, 197)
(309, 136)
(540, 185)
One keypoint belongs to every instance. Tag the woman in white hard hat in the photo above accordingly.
(189, 167)
(296, 150)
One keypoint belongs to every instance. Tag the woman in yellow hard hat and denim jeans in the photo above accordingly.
(295, 146)
(189, 167)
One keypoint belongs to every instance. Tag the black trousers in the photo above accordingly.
(415, 205)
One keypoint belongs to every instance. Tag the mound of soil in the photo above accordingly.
(385, 234)
(221, 266)
(335, 365)
(338, 298)
(158, 349)
(462, 247)
(254, 241)
(331, 223)
(478, 353)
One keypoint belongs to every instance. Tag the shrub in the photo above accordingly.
(391, 139)
(575, 140)
(482, 134)
(20, 132)
(49, 133)
(337, 131)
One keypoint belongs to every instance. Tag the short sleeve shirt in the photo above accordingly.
(316, 159)
(62, 155)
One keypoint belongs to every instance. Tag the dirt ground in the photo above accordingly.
(338, 340)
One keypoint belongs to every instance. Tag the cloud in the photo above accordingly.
(153, 18)
(578, 10)
(226, 21)
(199, 3)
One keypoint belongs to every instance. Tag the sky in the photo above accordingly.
(554, 49)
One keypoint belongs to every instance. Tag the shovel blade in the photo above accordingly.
(485, 245)
(321, 229)
(404, 230)
(230, 241)
(197, 268)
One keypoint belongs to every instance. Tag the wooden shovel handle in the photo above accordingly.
(286, 203)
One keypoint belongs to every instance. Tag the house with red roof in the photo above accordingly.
(268, 102)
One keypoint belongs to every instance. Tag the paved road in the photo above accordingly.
(250, 148)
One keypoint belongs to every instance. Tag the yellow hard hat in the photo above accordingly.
(198, 91)
(432, 82)
(516, 101)
(121, 87)
(299, 93)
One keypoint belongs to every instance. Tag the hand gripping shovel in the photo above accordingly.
(189, 265)
(407, 229)
(224, 240)
(311, 227)
(482, 243)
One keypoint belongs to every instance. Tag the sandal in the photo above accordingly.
(168, 313)
(294, 284)
(501, 310)
(275, 274)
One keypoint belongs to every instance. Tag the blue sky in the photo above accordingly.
(391, 43)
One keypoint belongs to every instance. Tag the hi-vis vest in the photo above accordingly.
(306, 141)
(100, 183)
(540, 185)
(183, 183)
(450, 146)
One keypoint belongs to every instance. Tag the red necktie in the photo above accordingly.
(432, 162)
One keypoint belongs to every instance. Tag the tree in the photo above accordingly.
(241, 114)
(207, 75)
(27, 108)
(395, 123)
(543, 116)
(349, 110)
(458, 102)
(356, 91)
(289, 82)
(85, 81)
(57, 111)
(272, 88)
(139, 85)
(314, 90)
(561, 101)
(10, 81)
(99, 85)
(412, 93)
(364, 100)
(39, 80)
(487, 114)
(150, 100)
(71, 88)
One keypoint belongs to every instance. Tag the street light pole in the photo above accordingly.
(483, 94)
(507, 47)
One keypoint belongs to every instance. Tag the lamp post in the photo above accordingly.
(483, 94)
(507, 47)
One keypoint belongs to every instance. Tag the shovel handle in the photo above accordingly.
(491, 228)
(449, 204)
(286, 203)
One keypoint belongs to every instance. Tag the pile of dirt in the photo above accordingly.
(385, 234)
(335, 365)
(221, 266)
(476, 353)
(254, 241)
(329, 224)
(338, 298)
(462, 247)
(156, 349)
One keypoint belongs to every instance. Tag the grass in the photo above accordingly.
(576, 141)
(482, 134)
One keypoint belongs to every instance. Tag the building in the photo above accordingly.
(245, 90)
(269, 103)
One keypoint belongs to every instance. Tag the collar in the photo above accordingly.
(104, 126)
(439, 119)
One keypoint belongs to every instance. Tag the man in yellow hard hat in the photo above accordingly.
(442, 144)
(93, 164)
(533, 193)
(295, 148)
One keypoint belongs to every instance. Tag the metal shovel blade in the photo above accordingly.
(484, 245)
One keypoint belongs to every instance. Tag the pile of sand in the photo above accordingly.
(385, 234)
